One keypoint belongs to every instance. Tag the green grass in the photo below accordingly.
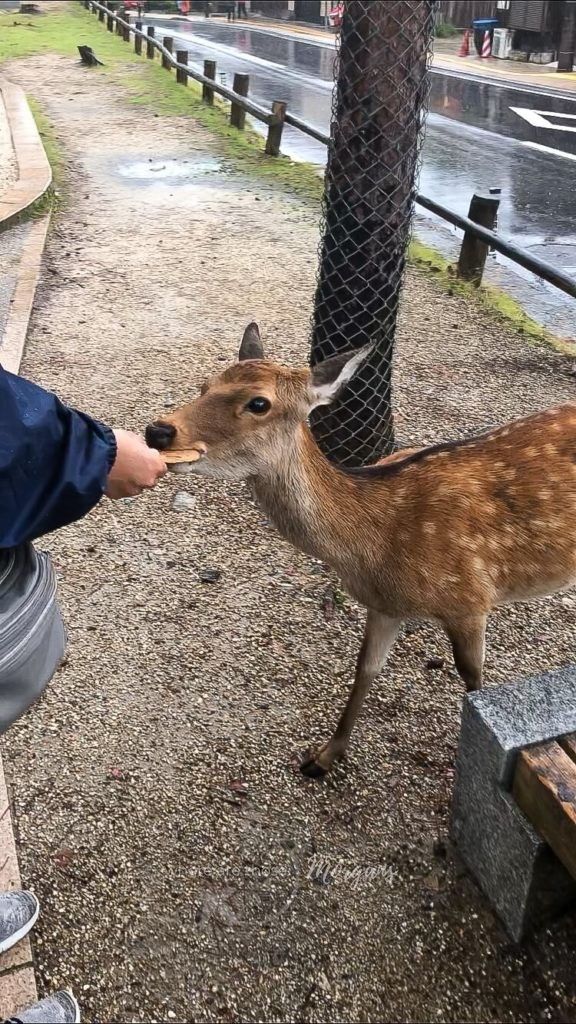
(60, 32)
(50, 201)
(445, 30)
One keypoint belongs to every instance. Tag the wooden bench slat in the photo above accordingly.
(545, 790)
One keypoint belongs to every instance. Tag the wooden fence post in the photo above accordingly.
(237, 113)
(126, 29)
(138, 39)
(110, 22)
(101, 15)
(275, 130)
(209, 72)
(119, 28)
(149, 47)
(168, 42)
(182, 58)
(483, 210)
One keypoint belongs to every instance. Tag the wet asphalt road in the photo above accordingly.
(475, 138)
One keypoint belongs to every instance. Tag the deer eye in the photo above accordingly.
(258, 405)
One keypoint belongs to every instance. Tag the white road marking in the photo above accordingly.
(549, 149)
(540, 118)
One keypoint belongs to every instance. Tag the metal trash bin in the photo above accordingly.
(32, 635)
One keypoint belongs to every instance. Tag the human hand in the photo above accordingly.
(136, 467)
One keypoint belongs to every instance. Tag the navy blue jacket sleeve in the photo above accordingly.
(54, 461)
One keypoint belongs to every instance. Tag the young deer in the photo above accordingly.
(445, 533)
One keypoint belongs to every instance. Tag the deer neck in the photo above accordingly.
(316, 506)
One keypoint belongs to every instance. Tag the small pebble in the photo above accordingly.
(183, 502)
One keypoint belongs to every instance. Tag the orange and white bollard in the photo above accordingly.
(486, 46)
(464, 50)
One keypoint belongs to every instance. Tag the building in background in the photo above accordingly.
(461, 13)
(540, 31)
(315, 12)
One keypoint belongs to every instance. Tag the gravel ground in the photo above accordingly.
(186, 870)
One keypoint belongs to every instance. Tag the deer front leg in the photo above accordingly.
(379, 634)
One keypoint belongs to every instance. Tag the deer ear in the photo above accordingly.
(251, 347)
(328, 377)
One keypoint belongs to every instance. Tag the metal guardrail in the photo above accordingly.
(485, 238)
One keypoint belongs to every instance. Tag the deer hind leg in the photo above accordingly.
(379, 635)
(467, 636)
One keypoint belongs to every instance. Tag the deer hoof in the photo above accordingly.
(315, 764)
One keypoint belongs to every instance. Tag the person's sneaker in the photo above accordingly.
(18, 913)
(60, 1008)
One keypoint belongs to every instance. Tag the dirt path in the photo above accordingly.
(169, 890)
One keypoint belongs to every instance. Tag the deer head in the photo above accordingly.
(247, 418)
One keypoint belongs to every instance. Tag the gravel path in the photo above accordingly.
(187, 872)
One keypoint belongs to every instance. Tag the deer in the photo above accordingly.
(444, 534)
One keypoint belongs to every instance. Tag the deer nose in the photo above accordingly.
(159, 435)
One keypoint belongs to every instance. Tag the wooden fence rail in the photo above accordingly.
(240, 102)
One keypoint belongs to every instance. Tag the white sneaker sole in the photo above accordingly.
(76, 1007)
(7, 944)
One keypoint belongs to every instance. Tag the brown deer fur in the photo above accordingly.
(444, 533)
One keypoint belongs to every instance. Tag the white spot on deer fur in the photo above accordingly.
(545, 494)
(429, 528)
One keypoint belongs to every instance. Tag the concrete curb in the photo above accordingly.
(17, 978)
(13, 341)
(35, 173)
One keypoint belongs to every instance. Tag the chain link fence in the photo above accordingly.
(373, 161)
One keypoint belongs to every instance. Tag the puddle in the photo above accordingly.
(167, 170)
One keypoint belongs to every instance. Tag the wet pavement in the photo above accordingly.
(479, 134)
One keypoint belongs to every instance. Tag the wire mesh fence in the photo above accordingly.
(373, 159)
